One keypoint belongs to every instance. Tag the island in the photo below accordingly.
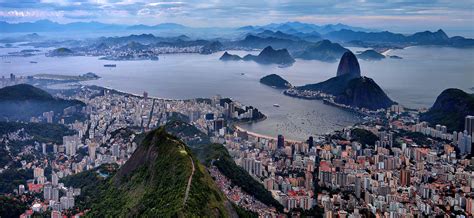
(370, 55)
(60, 52)
(275, 81)
(267, 56)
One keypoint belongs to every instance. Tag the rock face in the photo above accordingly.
(348, 65)
(363, 92)
(450, 109)
(349, 88)
(275, 81)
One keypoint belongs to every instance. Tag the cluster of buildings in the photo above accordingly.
(393, 176)
(11, 80)
(107, 136)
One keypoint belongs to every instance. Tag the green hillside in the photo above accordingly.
(154, 180)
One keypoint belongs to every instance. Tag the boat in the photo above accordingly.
(110, 65)
(33, 62)
(276, 105)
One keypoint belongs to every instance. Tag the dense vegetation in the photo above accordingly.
(4, 157)
(218, 155)
(12, 178)
(186, 132)
(365, 137)
(91, 182)
(450, 109)
(11, 207)
(275, 81)
(417, 137)
(41, 132)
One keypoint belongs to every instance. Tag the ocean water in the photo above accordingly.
(414, 81)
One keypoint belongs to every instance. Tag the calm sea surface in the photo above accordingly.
(414, 81)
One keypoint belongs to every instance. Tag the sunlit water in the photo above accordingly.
(414, 81)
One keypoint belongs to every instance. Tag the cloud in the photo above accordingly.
(370, 13)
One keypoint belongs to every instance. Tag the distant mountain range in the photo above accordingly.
(300, 40)
(420, 38)
(50, 26)
(323, 50)
(295, 27)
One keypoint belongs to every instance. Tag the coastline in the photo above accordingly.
(258, 135)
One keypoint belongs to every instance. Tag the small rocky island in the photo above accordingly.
(275, 81)
(267, 56)
(60, 52)
(371, 55)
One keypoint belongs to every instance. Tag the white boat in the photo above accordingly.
(276, 105)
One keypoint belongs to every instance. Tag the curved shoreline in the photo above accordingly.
(258, 135)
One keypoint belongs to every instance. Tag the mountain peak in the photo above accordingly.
(23, 92)
(348, 65)
(164, 179)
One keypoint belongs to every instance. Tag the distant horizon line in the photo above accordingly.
(369, 29)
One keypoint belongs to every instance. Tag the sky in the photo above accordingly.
(395, 15)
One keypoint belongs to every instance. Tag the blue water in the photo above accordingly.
(414, 81)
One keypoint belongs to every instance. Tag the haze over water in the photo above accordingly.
(414, 81)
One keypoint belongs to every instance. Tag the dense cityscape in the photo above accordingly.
(271, 109)
(391, 164)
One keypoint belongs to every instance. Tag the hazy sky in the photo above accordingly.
(396, 15)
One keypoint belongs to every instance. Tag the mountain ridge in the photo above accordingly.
(154, 182)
